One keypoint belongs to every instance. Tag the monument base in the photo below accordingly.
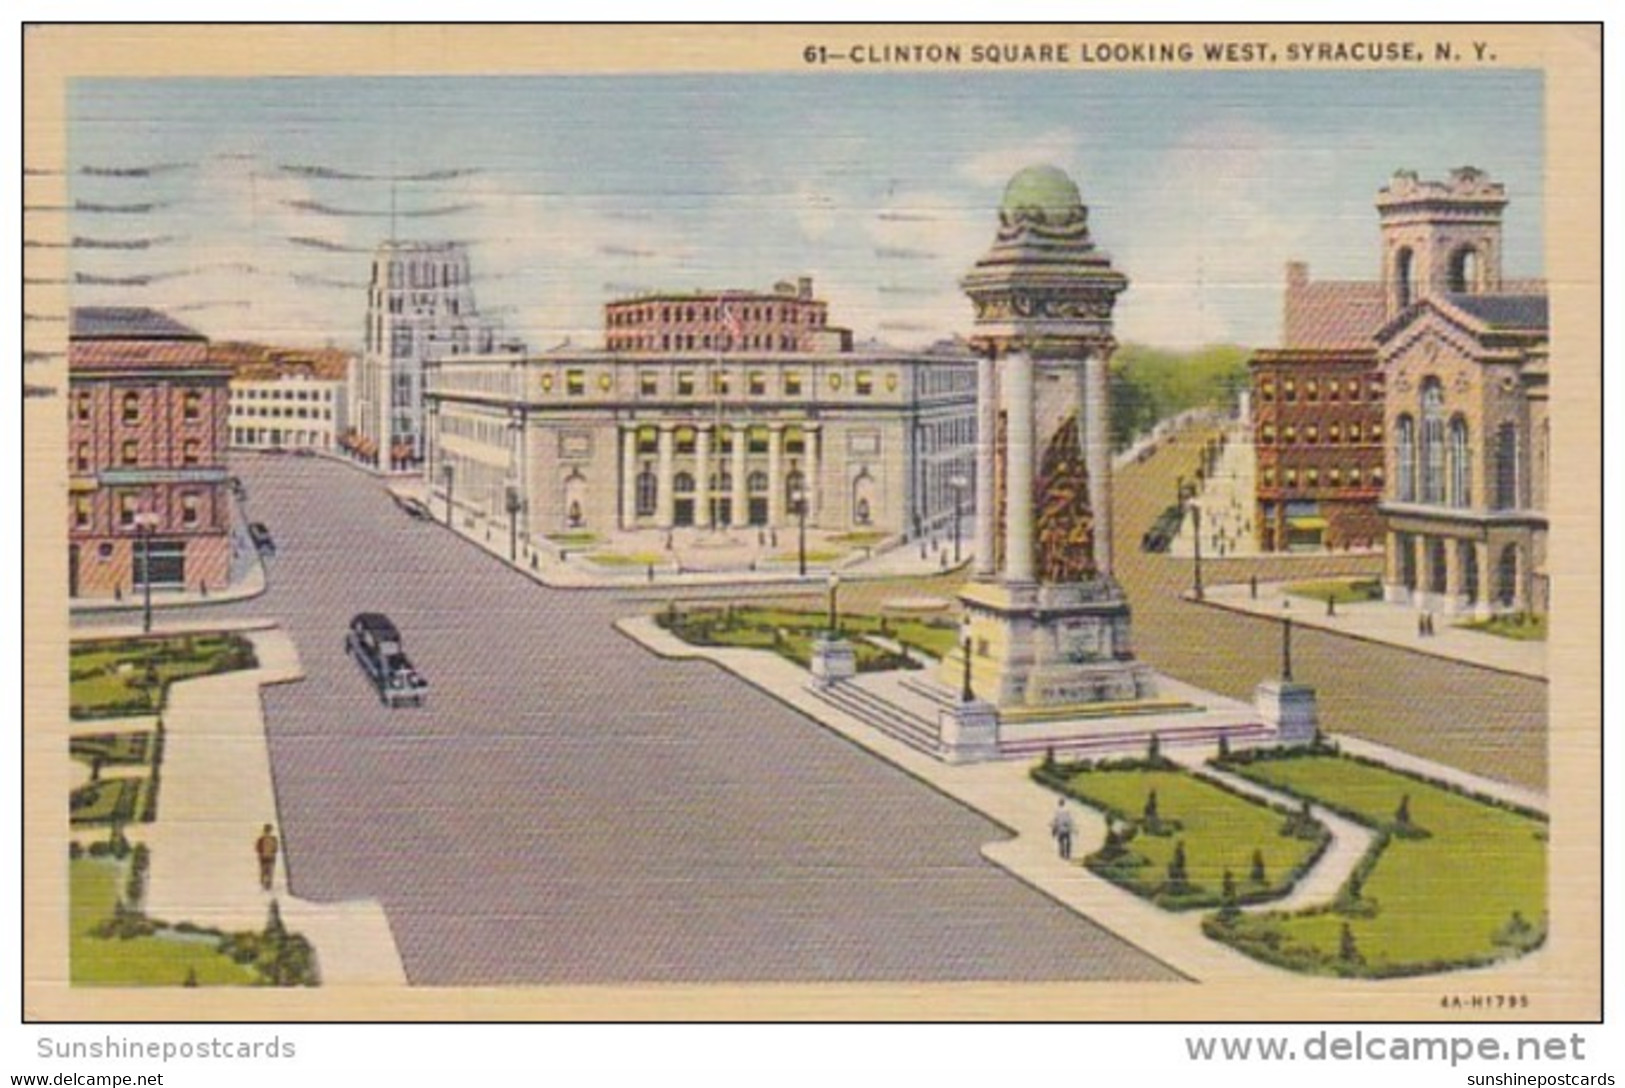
(969, 732)
(1291, 708)
(833, 659)
(1049, 645)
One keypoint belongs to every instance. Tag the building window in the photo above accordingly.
(81, 511)
(1332, 388)
(648, 383)
(1292, 477)
(190, 450)
(1311, 434)
(1334, 477)
(1506, 466)
(81, 457)
(127, 509)
(1290, 434)
(1354, 476)
(1312, 477)
(192, 405)
(1311, 390)
(575, 382)
(132, 408)
(1405, 458)
(648, 440)
(758, 383)
(719, 382)
(129, 452)
(792, 383)
(725, 439)
(756, 483)
(1354, 432)
(1460, 465)
(1376, 476)
(648, 492)
(683, 483)
(757, 440)
(1433, 451)
(1289, 389)
(81, 406)
(864, 383)
(1269, 434)
(1334, 433)
(835, 382)
(1376, 431)
(1266, 390)
(1269, 477)
(685, 383)
(191, 508)
(795, 440)
(685, 439)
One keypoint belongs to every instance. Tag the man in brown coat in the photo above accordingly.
(265, 848)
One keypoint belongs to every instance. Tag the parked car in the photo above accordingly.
(261, 536)
(376, 645)
(415, 508)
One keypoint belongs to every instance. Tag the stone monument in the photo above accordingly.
(1046, 624)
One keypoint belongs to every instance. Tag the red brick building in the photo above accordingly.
(147, 426)
(788, 319)
(1317, 419)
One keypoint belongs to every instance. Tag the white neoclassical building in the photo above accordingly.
(869, 438)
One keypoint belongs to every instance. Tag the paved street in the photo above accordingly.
(567, 808)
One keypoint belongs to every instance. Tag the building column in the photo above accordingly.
(664, 514)
(702, 475)
(629, 476)
(987, 430)
(775, 470)
(1520, 581)
(1452, 577)
(1419, 560)
(1486, 580)
(813, 473)
(1097, 451)
(740, 500)
(1018, 528)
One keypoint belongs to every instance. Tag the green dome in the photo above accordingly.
(1045, 189)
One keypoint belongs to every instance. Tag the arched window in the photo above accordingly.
(1460, 464)
(1464, 271)
(648, 493)
(756, 483)
(1402, 278)
(1506, 466)
(1433, 478)
(683, 483)
(1405, 458)
(1506, 577)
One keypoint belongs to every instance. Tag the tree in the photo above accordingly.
(1347, 950)
(1257, 876)
(1178, 874)
(1229, 892)
(1151, 807)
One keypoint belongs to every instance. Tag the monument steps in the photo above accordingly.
(910, 729)
(1133, 740)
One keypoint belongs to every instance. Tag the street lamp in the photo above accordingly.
(799, 498)
(449, 471)
(834, 613)
(146, 521)
(1196, 528)
(512, 503)
(1286, 640)
(957, 484)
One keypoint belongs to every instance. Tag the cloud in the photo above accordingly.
(996, 165)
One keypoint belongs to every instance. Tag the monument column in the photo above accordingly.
(1018, 470)
(1098, 456)
(987, 430)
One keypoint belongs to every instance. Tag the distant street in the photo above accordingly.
(568, 808)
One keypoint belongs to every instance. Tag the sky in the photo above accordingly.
(249, 207)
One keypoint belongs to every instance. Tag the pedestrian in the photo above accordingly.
(1421, 625)
(1062, 827)
(265, 848)
(1331, 606)
(1252, 586)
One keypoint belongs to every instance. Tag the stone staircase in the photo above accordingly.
(904, 726)
(1134, 740)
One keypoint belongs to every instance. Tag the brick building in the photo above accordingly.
(1317, 419)
(787, 319)
(147, 433)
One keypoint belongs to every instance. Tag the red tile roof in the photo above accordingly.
(1332, 314)
(137, 354)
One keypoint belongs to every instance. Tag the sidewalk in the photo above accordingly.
(1390, 624)
(217, 793)
(245, 580)
(1002, 792)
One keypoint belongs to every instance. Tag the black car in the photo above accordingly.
(261, 536)
(375, 643)
(415, 508)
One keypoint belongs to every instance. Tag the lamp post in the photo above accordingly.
(1286, 640)
(1196, 528)
(512, 503)
(449, 471)
(146, 521)
(1179, 492)
(957, 484)
(799, 498)
(834, 612)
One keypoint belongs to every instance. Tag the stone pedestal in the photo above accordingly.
(969, 732)
(832, 660)
(1047, 646)
(1291, 708)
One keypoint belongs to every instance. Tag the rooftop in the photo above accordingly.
(1521, 312)
(1332, 314)
(127, 323)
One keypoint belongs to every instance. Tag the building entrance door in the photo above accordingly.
(682, 513)
(758, 510)
(722, 512)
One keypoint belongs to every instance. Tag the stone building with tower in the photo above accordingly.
(711, 411)
(420, 307)
(1465, 357)
(147, 425)
(1046, 624)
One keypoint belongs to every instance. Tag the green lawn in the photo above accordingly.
(132, 749)
(755, 628)
(859, 538)
(1521, 626)
(1428, 903)
(575, 539)
(639, 559)
(123, 677)
(1220, 831)
(1356, 591)
(162, 959)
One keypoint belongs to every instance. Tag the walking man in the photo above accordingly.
(1062, 828)
(265, 848)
